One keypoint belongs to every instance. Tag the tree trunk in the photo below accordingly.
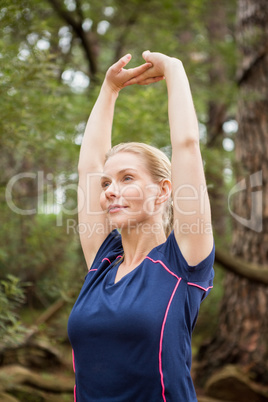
(217, 30)
(243, 321)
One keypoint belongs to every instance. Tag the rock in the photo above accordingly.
(232, 385)
(11, 376)
(36, 353)
(25, 393)
(29, 394)
(7, 398)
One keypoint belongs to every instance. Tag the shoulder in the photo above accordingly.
(172, 255)
(110, 247)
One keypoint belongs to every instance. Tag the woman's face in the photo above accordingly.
(128, 191)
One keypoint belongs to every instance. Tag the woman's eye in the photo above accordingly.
(127, 178)
(105, 184)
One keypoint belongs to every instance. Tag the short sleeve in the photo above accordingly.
(109, 249)
(200, 275)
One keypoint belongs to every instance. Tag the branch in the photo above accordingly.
(123, 36)
(42, 319)
(128, 22)
(86, 42)
(79, 10)
(48, 314)
(250, 271)
(248, 64)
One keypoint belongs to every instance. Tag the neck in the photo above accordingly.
(139, 241)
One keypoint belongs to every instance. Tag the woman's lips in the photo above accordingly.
(115, 208)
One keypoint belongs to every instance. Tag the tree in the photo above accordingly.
(221, 67)
(45, 45)
(243, 321)
(37, 139)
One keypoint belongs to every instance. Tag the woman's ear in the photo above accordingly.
(165, 191)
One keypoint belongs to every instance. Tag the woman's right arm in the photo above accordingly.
(93, 224)
(93, 227)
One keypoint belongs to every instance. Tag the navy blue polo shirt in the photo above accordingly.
(132, 339)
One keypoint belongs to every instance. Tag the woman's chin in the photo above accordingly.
(120, 222)
(139, 226)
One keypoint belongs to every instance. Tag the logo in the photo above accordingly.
(255, 220)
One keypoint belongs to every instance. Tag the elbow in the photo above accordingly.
(190, 143)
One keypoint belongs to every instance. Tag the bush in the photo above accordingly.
(12, 297)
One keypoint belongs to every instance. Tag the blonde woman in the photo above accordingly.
(131, 325)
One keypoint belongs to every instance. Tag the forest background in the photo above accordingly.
(53, 57)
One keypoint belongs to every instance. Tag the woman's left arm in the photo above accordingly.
(192, 215)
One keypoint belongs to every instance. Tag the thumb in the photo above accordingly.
(117, 67)
(146, 55)
(124, 60)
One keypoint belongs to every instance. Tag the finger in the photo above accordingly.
(121, 62)
(144, 81)
(139, 73)
(145, 54)
(151, 80)
(136, 71)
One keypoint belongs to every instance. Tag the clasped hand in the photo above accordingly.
(153, 70)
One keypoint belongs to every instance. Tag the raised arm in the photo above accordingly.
(192, 216)
(93, 225)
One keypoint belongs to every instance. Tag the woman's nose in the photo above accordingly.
(112, 190)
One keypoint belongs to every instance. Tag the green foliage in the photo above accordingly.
(135, 116)
(44, 113)
(37, 134)
(12, 297)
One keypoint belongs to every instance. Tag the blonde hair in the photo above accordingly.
(159, 167)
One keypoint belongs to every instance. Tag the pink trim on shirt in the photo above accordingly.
(95, 269)
(75, 393)
(200, 287)
(119, 256)
(73, 360)
(163, 265)
(74, 371)
(164, 322)
(107, 259)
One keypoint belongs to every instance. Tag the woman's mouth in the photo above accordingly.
(115, 208)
